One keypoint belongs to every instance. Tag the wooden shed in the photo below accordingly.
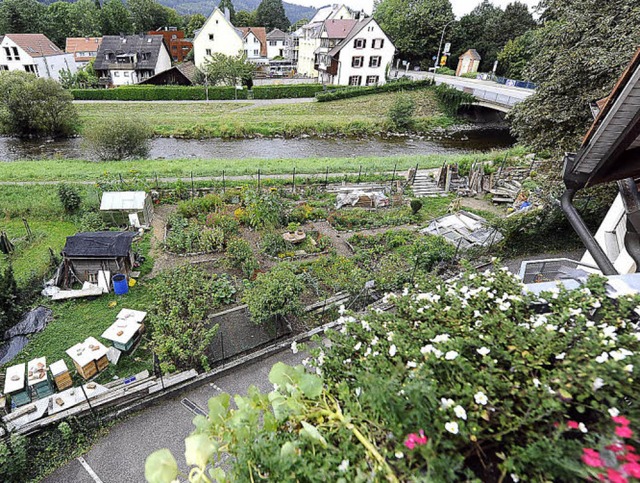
(468, 62)
(123, 208)
(85, 254)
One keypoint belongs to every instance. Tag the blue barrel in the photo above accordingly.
(120, 285)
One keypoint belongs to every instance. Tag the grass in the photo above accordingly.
(357, 116)
(82, 170)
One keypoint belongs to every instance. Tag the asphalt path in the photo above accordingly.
(120, 455)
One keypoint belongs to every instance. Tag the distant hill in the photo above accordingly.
(294, 12)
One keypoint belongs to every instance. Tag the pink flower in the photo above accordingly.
(632, 469)
(624, 432)
(591, 457)
(615, 477)
(572, 424)
(414, 440)
(616, 447)
(621, 420)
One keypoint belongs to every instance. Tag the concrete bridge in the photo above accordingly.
(488, 93)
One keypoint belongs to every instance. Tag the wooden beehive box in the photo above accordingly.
(61, 375)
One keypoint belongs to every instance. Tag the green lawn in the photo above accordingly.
(357, 116)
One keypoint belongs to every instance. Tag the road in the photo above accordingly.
(120, 456)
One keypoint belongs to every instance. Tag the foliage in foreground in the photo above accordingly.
(469, 380)
(128, 138)
(180, 331)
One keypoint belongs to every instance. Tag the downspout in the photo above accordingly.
(601, 259)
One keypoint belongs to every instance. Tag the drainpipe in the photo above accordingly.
(585, 235)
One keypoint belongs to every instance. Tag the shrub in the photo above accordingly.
(35, 107)
(286, 91)
(445, 71)
(92, 221)
(263, 209)
(306, 212)
(13, 458)
(158, 93)
(349, 92)
(451, 99)
(125, 139)
(203, 204)
(180, 331)
(416, 206)
(188, 236)
(240, 256)
(401, 112)
(470, 75)
(69, 196)
(228, 224)
(9, 299)
(274, 294)
(273, 244)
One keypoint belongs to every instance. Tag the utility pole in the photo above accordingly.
(435, 65)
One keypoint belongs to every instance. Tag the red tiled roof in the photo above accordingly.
(260, 33)
(36, 45)
(82, 44)
(339, 29)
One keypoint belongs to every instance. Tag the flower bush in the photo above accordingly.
(469, 380)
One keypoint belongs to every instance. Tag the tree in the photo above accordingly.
(270, 15)
(9, 307)
(245, 19)
(21, 16)
(578, 59)
(59, 22)
(414, 26)
(228, 70)
(298, 24)
(115, 18)
(85, 18)
(35, 107)
(195, 22)
(516, 55)
(147, 15)
(126, 139)
(232, 11)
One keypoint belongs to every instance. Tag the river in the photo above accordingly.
(468, 140)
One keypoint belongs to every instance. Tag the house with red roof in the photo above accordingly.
(84, 49)
(36, 54)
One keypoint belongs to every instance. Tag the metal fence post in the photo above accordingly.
(223, 183)
(294, 179)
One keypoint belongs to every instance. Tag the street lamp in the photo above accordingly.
(435, 66)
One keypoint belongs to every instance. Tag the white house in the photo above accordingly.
(278, 44)
(360, 59)
(34, 53)
(130, 59)
(217, 36)
(255, 44)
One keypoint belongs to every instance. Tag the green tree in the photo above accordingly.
(195, 22)
(59, 22)
(147, 15)
(578, 59)
(9, 309)
(115, 18)
(516, 55)
(22, 16)
(245, 18)
(270, 15)
(228, 70)
(85, 18)
(414, 26)
(232, 11)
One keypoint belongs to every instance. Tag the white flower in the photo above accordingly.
(357, 346)
(365, 325)
(504, 306)
(358, 391)
(575, 312)
(343, 466)
(460, 412)
(551, 327)
(590, 323)
(613, 412)
(604, 357)
(294, 347)
(426, 349)
(305, 362)
(341, 310)
(411, 364)
(483, 351)
(446, 403)
(480, 398)
(451, 355)
(597, 383)
(375, 340)
(536, 382)
(452, 427)
(514, 477)
(347, 361)
(399, 455)
(392, 350)
(583, 428)
(440, 338)
(561, 356)
(628, 368)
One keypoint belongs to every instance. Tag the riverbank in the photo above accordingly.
(362, 116)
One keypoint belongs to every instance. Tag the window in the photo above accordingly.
(210, 36)
(208, 52)
(255, 41)
(355, 80)
(7, 51)
(357, 62)
(372, 80)
(31, 68)
(16, 54)
(4, 67)
(126, 74)
(273, 43)
(359, 43)
(256, 52)
(375, 61)
(377, 43)
(116, 74)
(174, 47)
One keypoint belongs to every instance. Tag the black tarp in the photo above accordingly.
(99, 244)
(34, 321)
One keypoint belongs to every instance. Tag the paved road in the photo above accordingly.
(119, 457)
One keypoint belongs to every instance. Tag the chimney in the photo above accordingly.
(227, 14)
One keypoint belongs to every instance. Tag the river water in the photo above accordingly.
(469, 140)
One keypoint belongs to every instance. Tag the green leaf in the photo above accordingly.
(288, 451)
(282, 374)
(160, 467)
(219, 407)
(311, 386)
(201, 423)
(198, 450)
(311, 432)
(279, 405)
(218, 474)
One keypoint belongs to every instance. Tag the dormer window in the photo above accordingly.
(359, 43)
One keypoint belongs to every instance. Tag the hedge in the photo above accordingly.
(348, 92)
(158, 93)
(286, 91)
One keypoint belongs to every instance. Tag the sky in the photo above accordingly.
(460, 7)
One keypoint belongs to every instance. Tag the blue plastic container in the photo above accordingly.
(120, 285)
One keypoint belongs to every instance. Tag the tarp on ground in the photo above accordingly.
(34, 321)
(352, 198)
(464, 229)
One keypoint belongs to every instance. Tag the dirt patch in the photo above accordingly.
(478, 203)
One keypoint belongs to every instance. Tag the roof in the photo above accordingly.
(130, 44)
(260, 33)
(82, 44)
(185, 70)
(99, 244)
(357, 28)
(611, 148)
(339, 29)
(36, 45)
(123, 200)
(473, 53)
(276, 34)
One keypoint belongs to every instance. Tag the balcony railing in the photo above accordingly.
(121, 66)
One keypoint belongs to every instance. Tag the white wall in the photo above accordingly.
(123, 77)
(226, 39)
(45, 66)
(306, 56)
(252, 46)
(369, 33)
(275, 50)
(164, 60)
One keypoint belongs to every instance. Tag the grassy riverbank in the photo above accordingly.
(351, 117)
(82, 170)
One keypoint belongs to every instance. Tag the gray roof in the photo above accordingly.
(130, 44)
(276, 34)
(99, 244)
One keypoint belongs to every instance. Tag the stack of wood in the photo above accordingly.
(506, 191)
